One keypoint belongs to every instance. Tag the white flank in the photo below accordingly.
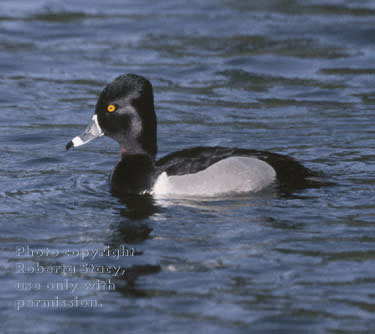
(233, 175)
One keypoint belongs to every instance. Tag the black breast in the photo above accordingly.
(133, 174)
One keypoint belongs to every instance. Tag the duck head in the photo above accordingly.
(124, 112)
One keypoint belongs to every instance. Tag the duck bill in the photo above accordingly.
(92, 131)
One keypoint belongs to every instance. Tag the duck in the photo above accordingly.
(125, 112)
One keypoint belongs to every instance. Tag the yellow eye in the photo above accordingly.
(111, 108)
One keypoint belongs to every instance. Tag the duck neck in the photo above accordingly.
(133, 174)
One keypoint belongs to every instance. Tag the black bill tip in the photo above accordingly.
(69, 145)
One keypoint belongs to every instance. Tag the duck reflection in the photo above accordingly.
(133, 230)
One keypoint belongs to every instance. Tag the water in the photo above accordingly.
(292, 77)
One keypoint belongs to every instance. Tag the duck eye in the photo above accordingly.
(111, 108)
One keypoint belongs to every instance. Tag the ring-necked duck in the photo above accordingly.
(125, 112)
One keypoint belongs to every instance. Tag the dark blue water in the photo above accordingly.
(292, 77)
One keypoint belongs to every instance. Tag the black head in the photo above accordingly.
(125, 111)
